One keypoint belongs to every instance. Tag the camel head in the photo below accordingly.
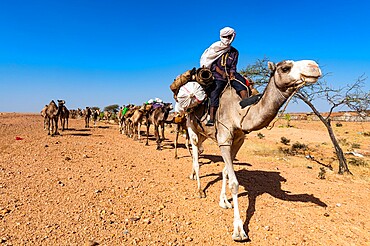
(290, 75)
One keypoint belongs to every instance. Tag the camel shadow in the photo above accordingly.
(80, 134)
(257, 183)
(211, 158)
(102, 127)
(78, 130)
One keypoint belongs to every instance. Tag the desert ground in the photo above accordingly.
(94, 186)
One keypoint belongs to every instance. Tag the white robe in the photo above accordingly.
(218, 48)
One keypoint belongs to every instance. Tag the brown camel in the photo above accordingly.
(233, 122)
(63, 114)
(179, 119)
(157, 116)
(52, 113)
(87, 114)
(138, 119)
(43, 114)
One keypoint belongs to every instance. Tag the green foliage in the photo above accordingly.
(95, 108)
(112, 108)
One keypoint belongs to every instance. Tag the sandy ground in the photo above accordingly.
(94, 186)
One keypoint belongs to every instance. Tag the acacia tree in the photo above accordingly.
(351, 96)
(112, 108)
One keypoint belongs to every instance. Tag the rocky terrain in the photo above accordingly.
(94, 186)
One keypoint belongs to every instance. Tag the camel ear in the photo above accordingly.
(271, 66)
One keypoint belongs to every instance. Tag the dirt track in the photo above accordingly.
(95, 185)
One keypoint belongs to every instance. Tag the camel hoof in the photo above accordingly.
(202, 194)
(225, 205)
(240, 237)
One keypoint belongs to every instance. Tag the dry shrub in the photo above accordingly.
(356, 146)
(357, 162)
(296, 149)
(285, 140)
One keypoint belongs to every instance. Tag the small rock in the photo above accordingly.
(134, 219)
(338, 205)
(91, 243)
(146, 221)
(60, 183)
(326, 214)
(189, 239)
(68, 158)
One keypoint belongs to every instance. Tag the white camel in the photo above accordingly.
(233, 122)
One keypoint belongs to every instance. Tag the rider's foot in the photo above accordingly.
(250, 100)
(210, 123)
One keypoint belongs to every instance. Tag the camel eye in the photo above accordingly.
(285, 69)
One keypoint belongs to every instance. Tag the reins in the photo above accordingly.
(286, 103)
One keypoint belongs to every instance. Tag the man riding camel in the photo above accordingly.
(221, 58)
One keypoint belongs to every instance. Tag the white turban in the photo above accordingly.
(218, 48)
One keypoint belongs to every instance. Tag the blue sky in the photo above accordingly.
(98, 53)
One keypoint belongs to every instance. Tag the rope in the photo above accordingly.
(286, 103)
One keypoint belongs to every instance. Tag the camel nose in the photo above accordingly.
(313, 69)
(309, 68)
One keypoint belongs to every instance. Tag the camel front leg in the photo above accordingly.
(176, 139)
(239, 233)
(147, 134)
(157, 137)
(195, 168)
(138, 131)
(224, 203)
(187, 142)
(162, 129)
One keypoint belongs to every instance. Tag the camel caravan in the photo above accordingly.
(212, 102)
(235, 117)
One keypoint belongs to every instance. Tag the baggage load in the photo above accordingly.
(190, 95)
(204, 76)
(182, 80)
(201, 75)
